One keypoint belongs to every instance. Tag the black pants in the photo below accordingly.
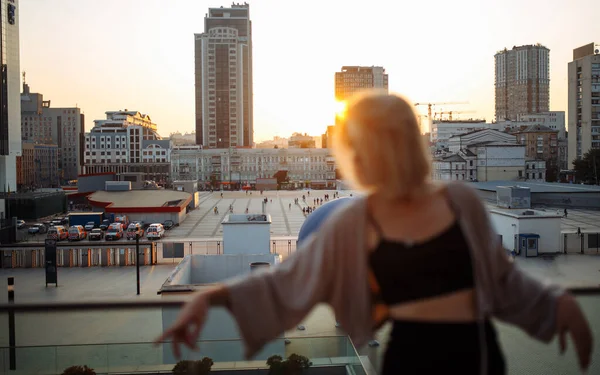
(441, 348)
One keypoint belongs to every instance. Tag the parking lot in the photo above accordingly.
(203, 223)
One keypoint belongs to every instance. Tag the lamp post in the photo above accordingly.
(137, 261)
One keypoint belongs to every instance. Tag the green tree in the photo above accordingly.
(294, 365)
(587, 169)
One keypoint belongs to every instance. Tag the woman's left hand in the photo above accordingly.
(570, 318)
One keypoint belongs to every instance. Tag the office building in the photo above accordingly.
(61, 126)
(223, 79)
(353, 79)
(522, 81)
(127, 142)
(584, 101)
(38, 167)
(10, 114)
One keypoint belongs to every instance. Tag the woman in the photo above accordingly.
(421, 255)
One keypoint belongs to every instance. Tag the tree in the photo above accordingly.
(294, 365)
(282, 178)
(587, 169)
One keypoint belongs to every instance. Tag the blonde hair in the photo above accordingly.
(379, 146)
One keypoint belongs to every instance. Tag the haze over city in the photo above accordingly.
(139, 54)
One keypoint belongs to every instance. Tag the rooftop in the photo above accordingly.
(139, 198)
(539, 187)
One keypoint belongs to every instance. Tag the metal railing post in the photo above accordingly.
(11, 325)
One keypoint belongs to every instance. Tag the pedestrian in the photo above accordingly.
(303, 210)
(246, 209)
(566, 213)
(390, 238)
(290, 206)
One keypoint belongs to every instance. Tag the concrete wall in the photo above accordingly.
(583, 200)
(151, 218)
(87, 184)
(547, 227)
(182, 275)
(207, 269)
(246, 238)
(490, 173)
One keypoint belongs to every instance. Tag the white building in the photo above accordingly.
(555, 120)
(10, 116)
(489, 155)
(126, 142)
(236, 167)
(224, 79)
(584, 101)
(441, 131)
(64, 127)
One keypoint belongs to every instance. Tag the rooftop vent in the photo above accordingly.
(529, 213)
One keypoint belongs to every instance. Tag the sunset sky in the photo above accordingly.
(106, 55)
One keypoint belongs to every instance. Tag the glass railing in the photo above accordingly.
(117, 338)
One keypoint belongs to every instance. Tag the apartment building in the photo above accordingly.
(127, 142)
(522, 81)
(38, 166)
(584, 101)
(223, 83)
(541, 144)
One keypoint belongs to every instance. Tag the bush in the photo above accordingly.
(79, 370)
(294, 365)
(193, 367)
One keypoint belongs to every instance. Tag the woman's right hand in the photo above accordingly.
(570, 319)
(188, 325)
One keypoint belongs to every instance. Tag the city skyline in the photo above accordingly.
(147, 64)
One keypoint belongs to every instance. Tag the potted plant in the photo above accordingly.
(294, 365)
(200, 367)
(79, 370)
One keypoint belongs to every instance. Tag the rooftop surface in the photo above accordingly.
(139, 198)
(539, 187)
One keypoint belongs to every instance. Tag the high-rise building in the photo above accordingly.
(63, 127)
(10, 113)
(353, 79)
(127, 142)
(584, 101)
(223, 65)
(522, 81)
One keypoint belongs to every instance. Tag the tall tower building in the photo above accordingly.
(584, 101)
(223, 64)
(10, 96)
(353, 79)
(522, 81)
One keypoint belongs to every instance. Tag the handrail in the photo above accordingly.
(171, 303)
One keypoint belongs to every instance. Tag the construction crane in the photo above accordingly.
(430, 105)
(449, 113)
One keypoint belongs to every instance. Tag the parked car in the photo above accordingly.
(155, 231)
(37, 228)
(114, 232)
(20, 224)
(105, 224)
(96, 234)
(133, 230)
(168, 224)
(77, 233)
(89, 225)
(141, 223)
(64, 220)
(57, 232)
(56, 222)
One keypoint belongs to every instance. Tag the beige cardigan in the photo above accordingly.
(331, 267)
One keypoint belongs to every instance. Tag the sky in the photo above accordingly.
(105, 55)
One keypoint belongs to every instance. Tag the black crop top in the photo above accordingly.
(432, 268)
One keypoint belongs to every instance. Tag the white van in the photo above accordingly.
(155, 231)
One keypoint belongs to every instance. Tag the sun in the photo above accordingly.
(340, 108)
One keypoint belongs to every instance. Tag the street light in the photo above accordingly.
(137, 261)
